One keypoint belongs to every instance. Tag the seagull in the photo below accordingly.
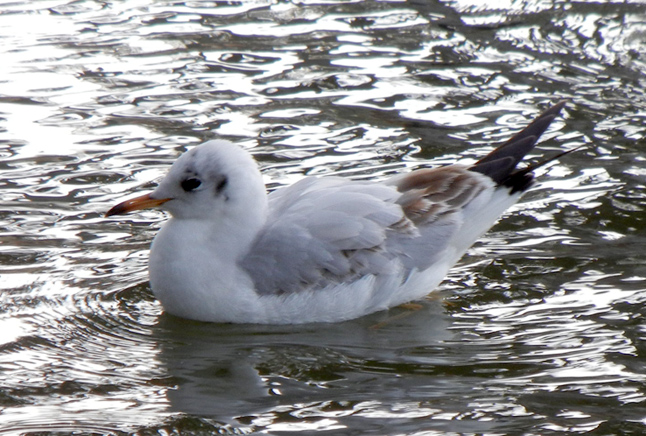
(324, 249)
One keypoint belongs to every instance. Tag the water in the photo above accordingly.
(539, 331)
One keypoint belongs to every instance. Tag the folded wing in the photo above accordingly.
(324, 231)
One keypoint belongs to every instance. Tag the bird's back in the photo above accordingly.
(403, 234)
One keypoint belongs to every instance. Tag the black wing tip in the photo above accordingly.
(521, 180)
(500, 164)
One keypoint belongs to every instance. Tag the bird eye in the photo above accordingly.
(190, 184)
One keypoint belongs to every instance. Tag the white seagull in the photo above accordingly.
(325, 249)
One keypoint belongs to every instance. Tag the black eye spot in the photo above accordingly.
(221, 185)
(190, 184)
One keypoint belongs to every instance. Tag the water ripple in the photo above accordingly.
(541, 329)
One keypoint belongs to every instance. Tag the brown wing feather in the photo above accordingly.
(428, 194)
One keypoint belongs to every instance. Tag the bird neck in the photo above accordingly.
(234, 230)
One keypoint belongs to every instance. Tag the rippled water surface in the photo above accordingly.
(539, 331)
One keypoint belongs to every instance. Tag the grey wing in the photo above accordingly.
(328, 230)
(321, 231)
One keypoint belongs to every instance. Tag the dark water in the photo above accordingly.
(539, 331)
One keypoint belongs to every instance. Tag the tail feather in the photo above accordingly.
(501, 163)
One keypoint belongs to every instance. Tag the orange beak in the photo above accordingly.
(143, 202)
